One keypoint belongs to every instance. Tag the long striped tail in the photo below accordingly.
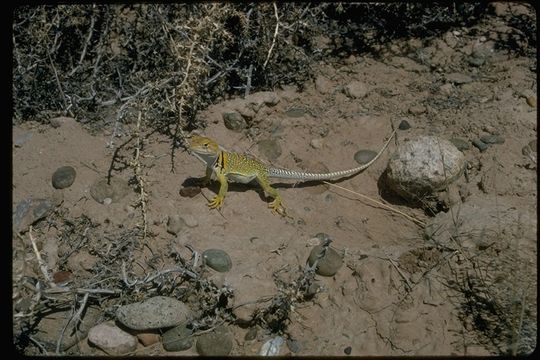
(308, 176)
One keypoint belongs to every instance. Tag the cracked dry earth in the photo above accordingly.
(393, 294)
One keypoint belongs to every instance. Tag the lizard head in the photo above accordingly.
(203, 146)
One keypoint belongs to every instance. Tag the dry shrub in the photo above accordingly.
(104, 63)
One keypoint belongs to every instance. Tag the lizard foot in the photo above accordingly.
(216, 202)
(277, 207)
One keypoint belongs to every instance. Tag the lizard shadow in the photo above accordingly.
(384, 190)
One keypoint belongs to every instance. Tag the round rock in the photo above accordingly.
(177, 339)
(364, 156)
(111, 339)
(416, 168)
(217, 259)
(63, 177)
(216, 343)
(154, 313)
(328, 264)
(234, 121)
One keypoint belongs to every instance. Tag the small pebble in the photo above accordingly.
(329, 264)
(364, 156)
(251, 334)
(531, 101)
(533, 145)
(316, 143)
(480, 145)
(63, 177)
(404, 125)
(177, 339)
(190, 191)
(461, 144)
(492, 139)
(148, 338)
(234, 121)
(217, 259)
(347, 350)
(217, 343)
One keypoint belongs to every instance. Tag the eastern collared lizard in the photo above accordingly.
(231, 166)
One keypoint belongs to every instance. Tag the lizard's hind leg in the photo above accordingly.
(276, 205)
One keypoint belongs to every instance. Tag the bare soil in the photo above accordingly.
(392, 295)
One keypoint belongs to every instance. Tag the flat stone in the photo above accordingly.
(218, 342)
(111, 339)
(178, 338)
(63, 177)
(154, 313)
(29, 211)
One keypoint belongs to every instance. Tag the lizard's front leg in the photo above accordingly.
(217, 201)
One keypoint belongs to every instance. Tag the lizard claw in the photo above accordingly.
(216, 202)
(277, 207)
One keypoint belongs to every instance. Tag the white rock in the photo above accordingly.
(416, 168)
(111, 339)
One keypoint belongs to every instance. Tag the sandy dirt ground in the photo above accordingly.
(393, 294)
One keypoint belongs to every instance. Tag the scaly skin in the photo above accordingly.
(242, 168)
(232, 166)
